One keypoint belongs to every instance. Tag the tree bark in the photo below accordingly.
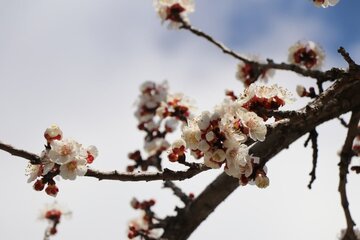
(342, 97)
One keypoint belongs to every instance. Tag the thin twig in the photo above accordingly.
(223, 48)
(166, 174)
(34, 159)
(345, 159)
(321, 77)
(347, 58)
(313, 137)
(329, 75)
(343, 122)
(320, 86)
(178, 192)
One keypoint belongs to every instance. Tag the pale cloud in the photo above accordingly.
(79, 64)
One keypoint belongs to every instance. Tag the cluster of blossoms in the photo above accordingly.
(325, 3)
(306, 54)
(159, 113)
(142, 228)
(53, 214)
(64, 157)
(222, 137)
(174, 11)
(248, 73)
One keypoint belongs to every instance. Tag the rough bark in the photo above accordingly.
(342, 97)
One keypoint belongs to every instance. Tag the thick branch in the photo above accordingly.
(345, 159)
(340, 98)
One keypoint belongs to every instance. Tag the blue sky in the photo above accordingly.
(79, 64)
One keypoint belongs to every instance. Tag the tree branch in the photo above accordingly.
(343, 122)
(223, 48)
(313, 137)
(329, 75)
(340, 98)
(167, 174)
(347, 58)
(177, 192)
(345, 159)
(34, 159)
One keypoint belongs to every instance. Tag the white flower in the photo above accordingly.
(64, 151)
(238, 162)
(237, 154)
(46, 162)
(149, 100)
(247, 169)
(232, 134)
(218, 156)
(33, 171)
(306, 54)
(203, 120)
(175, 11)
(53, 133)
(325, 3)
(73, 168)
(209, 162)
(237, 157)
(192, 135)
(203, 146)
(256, 126)
(210, 136)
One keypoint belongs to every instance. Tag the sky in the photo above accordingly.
(79, 64)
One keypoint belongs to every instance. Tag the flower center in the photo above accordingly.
(173, 12)
(71, 166)
(65, 150)
(308, 57)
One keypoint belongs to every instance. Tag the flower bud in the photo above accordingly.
(53, 133)
(261, 180)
